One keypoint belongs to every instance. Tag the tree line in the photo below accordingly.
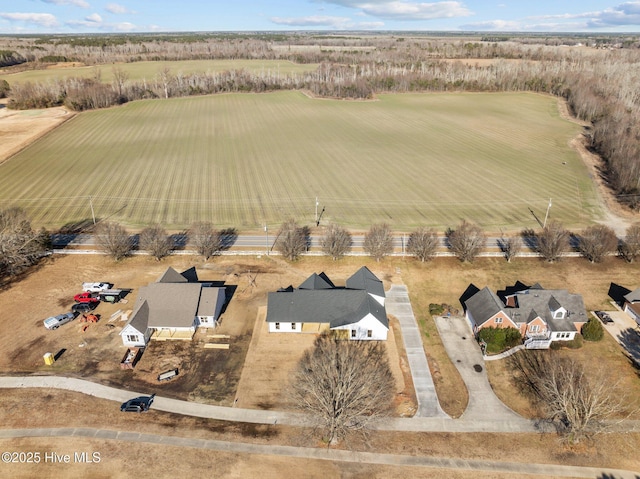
(599, 85)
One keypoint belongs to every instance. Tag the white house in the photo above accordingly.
(173, 308)
(632, 305)
(318, 305)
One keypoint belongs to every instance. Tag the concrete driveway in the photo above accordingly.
(465, 353)
(625, 331)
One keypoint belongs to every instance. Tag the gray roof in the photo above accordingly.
(171, 305)
(366, 280)
(209, 301)
(338, 307)
(541, 300)
(317, 281)
(633, 296)
(172, 276)
(140, 317)
(484, 305)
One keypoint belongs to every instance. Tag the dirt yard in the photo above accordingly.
(20, 128)
(205, 375)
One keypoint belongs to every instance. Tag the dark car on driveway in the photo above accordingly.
(604, 317)
(139, 404)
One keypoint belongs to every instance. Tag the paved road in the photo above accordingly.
(397, 304)
(465, 353)
(326, 454)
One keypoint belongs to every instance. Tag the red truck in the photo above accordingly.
(86, 297)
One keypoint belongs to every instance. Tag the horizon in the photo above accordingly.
(38, 17)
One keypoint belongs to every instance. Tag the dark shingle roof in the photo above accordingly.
(172, 276)
(483, 305)
(366, 280)
(541, 300)
(317, 281)
(209, 298)
(338, 307)
(140, 317)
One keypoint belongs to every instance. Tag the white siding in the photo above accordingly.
(568, 336)
(131, 337)
(285, 327)
(362, 328)
(631, 313)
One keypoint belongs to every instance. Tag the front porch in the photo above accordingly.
(172, 334)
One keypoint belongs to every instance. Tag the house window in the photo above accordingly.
(534, 328)
(353, 333)
(293, 326)
(277, 325)
(498, 321)
(369, 333)
(132, 338)
(559, 314)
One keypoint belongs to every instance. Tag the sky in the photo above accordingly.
(98, 16)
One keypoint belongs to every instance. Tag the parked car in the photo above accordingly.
(96, 287)
(86, 297)
(139, 404)
(54, 322)
(604, 317)
(82, 308)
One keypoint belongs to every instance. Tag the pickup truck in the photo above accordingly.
(86, 297)
(96, 287)
(54, 322)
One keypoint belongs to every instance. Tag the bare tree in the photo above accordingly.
(156, 241)
(344, 384)
(596, 242)
(579, 401)
(120, 77)
(205, 239)
(20, 245)
(378, 241)
(630, 245)
(291, 241)
(467, 241)
(423, 243)
(336, 241)
(510, 246)
(114, 239)
(552, 241)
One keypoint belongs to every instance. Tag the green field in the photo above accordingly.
(148, 70)
(244, 160)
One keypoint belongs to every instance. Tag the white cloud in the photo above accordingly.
(94, 17)
(76, 3)
(40, 19)
(494, 25)
(117, 9)
(313, 21)
(406, 10)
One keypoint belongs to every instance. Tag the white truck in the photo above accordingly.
(96, 287)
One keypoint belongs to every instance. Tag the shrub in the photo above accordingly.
(500, 339)
(592, 330)
(436, 309)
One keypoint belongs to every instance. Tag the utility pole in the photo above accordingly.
(93, 215)
(546, 215)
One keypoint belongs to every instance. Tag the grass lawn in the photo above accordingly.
(245, 160)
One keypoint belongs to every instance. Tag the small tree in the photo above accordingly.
(467, 241)
(292, 240)
(343, 384)
(378, 241)
(20, 246)
(596, 242)
(500, 339)
(510, 246)
(630, 245)
(423, 243)
(114, 239)
(336, 241)
(592, 330)
(578, 402)
(156, 241)
(205, 239)
(553, 241)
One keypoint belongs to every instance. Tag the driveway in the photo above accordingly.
(625, 331)
(397, 304)
(465, 353)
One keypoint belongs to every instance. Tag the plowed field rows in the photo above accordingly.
(244, 160)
